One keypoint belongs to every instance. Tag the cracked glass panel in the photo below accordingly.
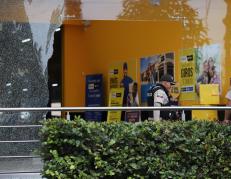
(27, 30)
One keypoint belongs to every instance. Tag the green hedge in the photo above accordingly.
(79, 149)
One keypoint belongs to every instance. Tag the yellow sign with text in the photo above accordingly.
(114, 77)
(187, 74)
(115, 99)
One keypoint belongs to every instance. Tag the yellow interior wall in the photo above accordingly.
(103, 42)
(75, 65)
(91, 49)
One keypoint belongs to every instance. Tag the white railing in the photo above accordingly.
(116, 108)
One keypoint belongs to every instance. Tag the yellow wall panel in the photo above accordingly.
(75, 65)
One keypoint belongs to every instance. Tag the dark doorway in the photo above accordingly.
(55, 74)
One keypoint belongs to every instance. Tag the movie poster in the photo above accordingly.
(152, 68)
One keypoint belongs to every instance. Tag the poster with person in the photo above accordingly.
(133, 101)
(151, 70)
(121, 75)
(208, 66)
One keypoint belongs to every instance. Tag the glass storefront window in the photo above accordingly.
(40, 40)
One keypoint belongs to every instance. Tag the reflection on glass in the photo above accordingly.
(55, 84)
(194, 32)
(58, 29)
(25, 89)
(227, 36)
(101, 9)
(72, 9)
(8, 84)
(26, 40)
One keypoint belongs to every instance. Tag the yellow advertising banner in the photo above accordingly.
(121, 75)
(205, 115)
(114, 76)
(115, 99)
(209, 94)
(187, 74)
(120, 71)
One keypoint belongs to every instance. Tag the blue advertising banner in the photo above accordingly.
(94, 96)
